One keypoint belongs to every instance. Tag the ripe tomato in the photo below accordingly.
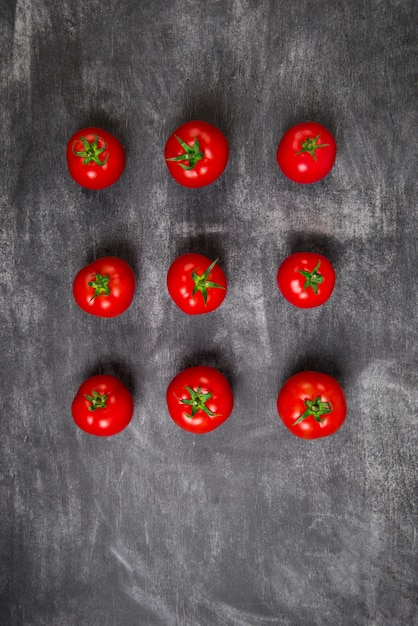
(196, 154)
(95, 158)
(105, 288)
(102, 406)
(306, 152)
(306, 279)
(196, 284)
(312, 405)
(199, 399)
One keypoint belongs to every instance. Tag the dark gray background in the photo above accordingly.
(248, 525)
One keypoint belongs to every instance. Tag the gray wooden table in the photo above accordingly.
(248, 525)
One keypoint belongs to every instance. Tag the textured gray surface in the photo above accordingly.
(246, 526)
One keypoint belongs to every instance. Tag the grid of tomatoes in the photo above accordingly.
(199, 399)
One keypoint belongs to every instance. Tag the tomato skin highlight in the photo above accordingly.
(113, 417)
(312, 163)
(181, 284)
(211, 150)
(105, 164)
(317, 389)
(121, 285)
(306, 279)
(200, 381)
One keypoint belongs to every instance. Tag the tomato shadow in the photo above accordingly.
(302, 241)
(100, 118)
(303, 110)
(208, 244)
(118, 369)
(121, 248)
(199, 104)
(316, 361)
(213, 107)
(211, 358)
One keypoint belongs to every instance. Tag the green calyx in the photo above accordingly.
(97, 400)
(310, 145)
(202, 284)
(100, 285)
(315, 408)
(197, 402)
(192, 154)
(91, 151)
(313, 279)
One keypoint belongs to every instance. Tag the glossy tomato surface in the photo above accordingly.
(312, 405)
(306, 152)
(95, 158)
(105, 288)
(199, 399)
(196, 154)
(102, 406)
(196, 284)
(306, 279)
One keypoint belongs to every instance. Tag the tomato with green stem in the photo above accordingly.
(196, 284)
(306, 279)
(199, 399)
(95, 158)
(312, 405)
(196, 154)
(102, 406)
(105, 288)
(306, 152)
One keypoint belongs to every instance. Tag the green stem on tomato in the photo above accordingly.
(100, 284)
(97, 400)
(192, 154)
(202, 284)
(91, 151)
(313, 279)
(315, 408)
(310, 145)
(197, 402)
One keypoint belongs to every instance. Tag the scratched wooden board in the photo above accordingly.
(248, 525)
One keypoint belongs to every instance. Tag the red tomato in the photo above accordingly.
(306, 279)
(196, 284)
(306, 152)
(199, 399)
(95, 158)
(312, 405)
(105, 288)
(102, 406)
(196, 154)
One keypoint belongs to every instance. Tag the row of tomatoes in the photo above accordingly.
(197, 285)
(197, 153)
(199, 399)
